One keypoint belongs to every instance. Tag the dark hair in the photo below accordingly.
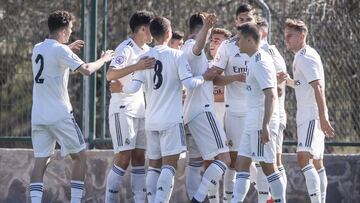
(140, 18)
(195, 22)
(159, 26)
(296, 24)
(59, 19)
(244, 8)
(227, 34)
(262, 23)
(250, 30)
(177, 35)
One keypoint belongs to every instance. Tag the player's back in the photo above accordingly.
(50, 64)
(163, 88)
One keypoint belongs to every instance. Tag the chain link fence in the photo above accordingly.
(334, 27)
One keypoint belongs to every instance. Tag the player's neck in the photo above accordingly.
(138, 40)
(162, 42)
(252, 51)
(56, 37)
(298, 48)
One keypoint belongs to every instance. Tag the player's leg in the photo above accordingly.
(194, 166)
(121, 133)
(211, 139)
(138, 176)
(279, 143)
(72, 142)
(304, 156)
(262, 185)
(155, 162)
(318, 160)
(172, 143)
(43, 143)
(213, 193)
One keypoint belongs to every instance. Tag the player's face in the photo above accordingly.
(292, 38)
(244, 18)
(243, 43)
(176, 43)
(67, 32)
(215, 42)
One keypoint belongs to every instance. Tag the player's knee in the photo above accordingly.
(79, 157)
(225, 158)
(318, 163)
(122, 159)
(303, 159)
(138, 158)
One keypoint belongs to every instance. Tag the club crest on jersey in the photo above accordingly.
(300, 144)
(237, 55)
(120, 60)
(257, 57)
(248, 87)
(303, 52)
(229, 143)
(127, 141)
(297, 83)
(188, 67)
(217, 58)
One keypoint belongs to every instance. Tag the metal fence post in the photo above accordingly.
(103, 74)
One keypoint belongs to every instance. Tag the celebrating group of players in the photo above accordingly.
(254, 76)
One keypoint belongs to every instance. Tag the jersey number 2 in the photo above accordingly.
(37, 77)
(158, 78)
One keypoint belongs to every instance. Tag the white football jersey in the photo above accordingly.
(229, 58)
(163, 87)
(201, 98)
(307, 67)
(128, 53)
(51, 62)
(261, 75)
(280, 66)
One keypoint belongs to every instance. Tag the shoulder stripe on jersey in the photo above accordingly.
(215, 130)
(303, 52)
(186, 78)
(118, 130)
(78, 132)
(310, 133)
(130, 44)
(138, 80)
(257, 57)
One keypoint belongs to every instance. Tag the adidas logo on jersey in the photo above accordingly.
(303, 52)
(297, 82)
(127, 141)
(257, 57)
(213, 182)
(237, 55)
(160, 188)
(113, 191)
(253, 154)
(300, 144)
(248, 87)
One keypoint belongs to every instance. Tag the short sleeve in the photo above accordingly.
(221, 58)
(121, 58)
(69, 58)
(139, 76)
(184, 69)
(187, 48)
(310, 69)
(265, 74)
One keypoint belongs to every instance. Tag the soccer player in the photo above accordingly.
(177, 40)
(312, 114)
(163, 119)
(127, 111)
(52, 119)
(234, 64)
(199, 108)
(258, 143)
(280, 66)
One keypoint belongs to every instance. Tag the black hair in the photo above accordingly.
(177, 35)
(244, 8)
(250, 30)
(159, 26)
(59, 19)
(195, 22)
(140, 18)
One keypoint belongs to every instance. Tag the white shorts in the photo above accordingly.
(192, 148)
(280, 139)
(234, 128)
(208, 134)
(66, 132)
(167, 142)
(250, 143)
(311, 138)
(127, 133)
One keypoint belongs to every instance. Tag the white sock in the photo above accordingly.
(138, 178)
(312, 183)
(323, 183)
(213, 194)
(193, 177)
(113, 183)
(229, 182)
(77, 188)
(242, 186)
(151, 181)
(283, 173)
(277, 186)
(210, 179)
(36, 192)
(165, 184)
(262, 186)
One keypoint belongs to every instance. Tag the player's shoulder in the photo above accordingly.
(308, 53)
(126, 45)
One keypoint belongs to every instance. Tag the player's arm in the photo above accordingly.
(193, 82)
(114, 73)
(132, 87)
(89, 68)
(321, 104)
(209, 21)
(270, 96)
(222, 80)
(289, 81)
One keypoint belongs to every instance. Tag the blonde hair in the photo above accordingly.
(296, 24)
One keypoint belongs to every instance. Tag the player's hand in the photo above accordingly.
(209, 19)
(115, 86)
(240, 77)
(279, 91)
(77, 45)
(281, 77)
(210, 74)
(108, 55)
(326, 127)
(265, 134)
(146, 63)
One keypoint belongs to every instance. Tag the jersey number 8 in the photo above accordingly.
(158, 78)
